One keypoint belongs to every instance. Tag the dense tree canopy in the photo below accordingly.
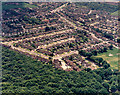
(22, 74)
(99, 6)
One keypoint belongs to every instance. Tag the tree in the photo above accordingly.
(104, 62)
(109, 36)
(113, 88)
(118, 40)
(47, 29)
(97, 30)
(50, 61)
(100, 59)
(31, 75)
(118, 82)
(60, 91)
(88, 69)
(88, 55)
(106, 85)
(115, 71)
(111, 47)
(94, 52)
(104, 49)
(71, 45)
(106, 65)
(100, 72)
(82, 52)
(51, 54)
(50, 58)
(33, 46)
(101, 50)
(108, 72)
(71, 58)
(103, 91)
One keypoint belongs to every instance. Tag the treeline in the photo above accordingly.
(95, 52)
(99, 6)
(99, 60)
(22, 74)
(13, 5)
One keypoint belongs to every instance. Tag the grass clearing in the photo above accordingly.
(112, 60)
(115, 13)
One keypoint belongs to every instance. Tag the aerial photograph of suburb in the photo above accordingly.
(60, 48)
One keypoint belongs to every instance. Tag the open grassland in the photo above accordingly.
(111, 56)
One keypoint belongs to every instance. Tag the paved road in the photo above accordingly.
(54, 33)
(29, 52)
(59, 8)
(93, 35)
(50, 34)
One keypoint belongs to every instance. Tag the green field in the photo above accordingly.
(115, 13)
(113, 59)
(12, 6)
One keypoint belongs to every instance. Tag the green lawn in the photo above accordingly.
(112, 60)
(12, 6)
